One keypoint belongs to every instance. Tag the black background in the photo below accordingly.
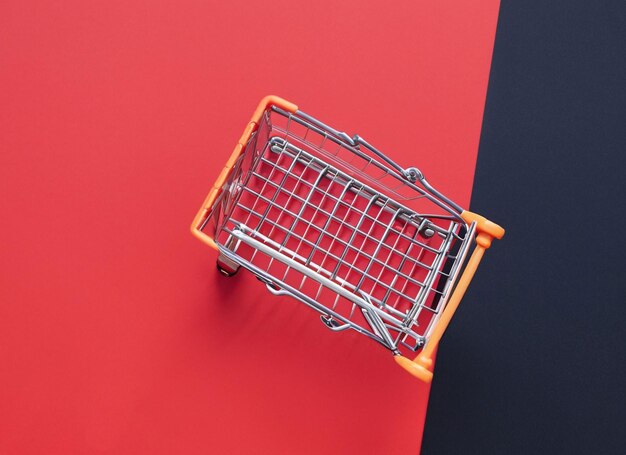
(534, 361)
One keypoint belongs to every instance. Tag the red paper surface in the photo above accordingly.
(117, 335)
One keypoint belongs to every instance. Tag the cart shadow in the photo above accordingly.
(242, 302)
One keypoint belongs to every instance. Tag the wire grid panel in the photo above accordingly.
(333, 225)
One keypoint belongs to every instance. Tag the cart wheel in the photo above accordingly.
(226, 267)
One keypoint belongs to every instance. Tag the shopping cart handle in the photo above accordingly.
(487, 230)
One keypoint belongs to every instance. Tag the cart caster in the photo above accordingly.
(226, 266)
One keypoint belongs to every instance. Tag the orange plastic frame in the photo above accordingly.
(486, 232)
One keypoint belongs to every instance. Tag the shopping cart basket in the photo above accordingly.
(330, 220)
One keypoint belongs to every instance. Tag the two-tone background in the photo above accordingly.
(118, 336)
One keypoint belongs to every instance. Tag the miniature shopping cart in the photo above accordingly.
(330, 220)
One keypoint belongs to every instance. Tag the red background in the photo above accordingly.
(116, 333)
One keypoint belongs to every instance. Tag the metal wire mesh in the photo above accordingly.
(333, 226)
